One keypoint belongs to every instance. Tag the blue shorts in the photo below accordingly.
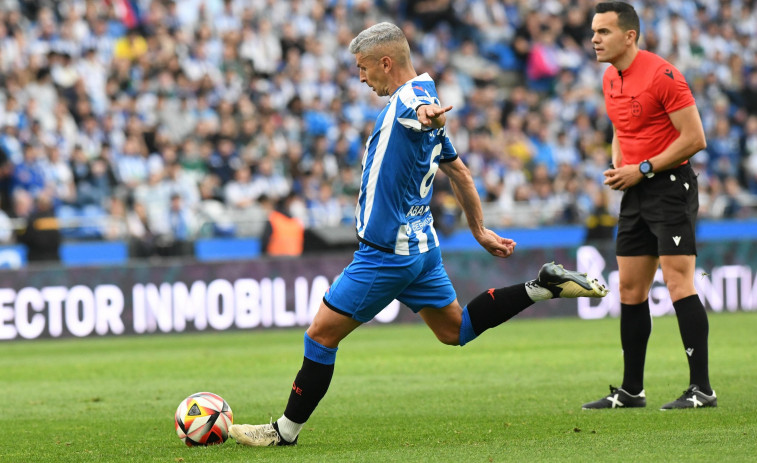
(374, 278)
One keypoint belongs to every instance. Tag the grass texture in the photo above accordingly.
(398, 395)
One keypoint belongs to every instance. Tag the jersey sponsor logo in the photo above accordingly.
(635, 108)
(419, 225)
(676, 240)
(416, 211)
(669, 73)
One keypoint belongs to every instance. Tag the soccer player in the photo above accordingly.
(398, 255)
(656, 130)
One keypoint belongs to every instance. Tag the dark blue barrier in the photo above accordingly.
(727, 231)
(76, 253)
(12, 256)
(525, 238)
(227, 249)
(83, 253)
(575, 235)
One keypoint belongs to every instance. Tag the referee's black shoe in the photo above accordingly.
(568, 283)
(692, 398)
(618, 398)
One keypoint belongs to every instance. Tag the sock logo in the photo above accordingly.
(690, 351)
(297, 390)
(491, 293)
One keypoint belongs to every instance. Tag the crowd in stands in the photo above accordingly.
(178, 119)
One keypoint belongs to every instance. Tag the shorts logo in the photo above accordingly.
(676, 240)
(635, 108)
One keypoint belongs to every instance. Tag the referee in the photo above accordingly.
(656, 129)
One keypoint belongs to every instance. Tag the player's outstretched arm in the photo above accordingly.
(432, 115)
(465, 192)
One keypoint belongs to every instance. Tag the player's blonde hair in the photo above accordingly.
(382, 38)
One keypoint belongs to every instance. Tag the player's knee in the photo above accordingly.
(322, 337)
(679, 289)
(632, 293)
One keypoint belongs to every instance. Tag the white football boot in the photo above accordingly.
(258, 435)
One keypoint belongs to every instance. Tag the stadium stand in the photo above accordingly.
(162, 122)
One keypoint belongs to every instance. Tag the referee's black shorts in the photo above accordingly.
(658, 215)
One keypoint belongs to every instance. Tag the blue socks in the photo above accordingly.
(319, 353)
(466, 329)
(311, 382)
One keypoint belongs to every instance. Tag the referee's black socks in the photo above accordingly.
(694, 328)
(635, 328)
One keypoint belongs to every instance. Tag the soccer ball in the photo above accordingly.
(203, 418)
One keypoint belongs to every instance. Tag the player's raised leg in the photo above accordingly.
(456, 326)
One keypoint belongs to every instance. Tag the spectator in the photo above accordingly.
(182, 227)
(29, 174)
(6, 181)
(178, 182)
(98, 186)
(723, 149)
(59, 177)
(241, 192)
(601, 222)
(142, 241)
(267, 180)
(6, 227)
(324, 210)
(131, 47)
(212, 216)
(283, 235)
(41, 235)
(224, 161)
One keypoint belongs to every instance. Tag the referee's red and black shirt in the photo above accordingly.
(638, 102)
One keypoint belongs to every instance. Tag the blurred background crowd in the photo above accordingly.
(161, 121)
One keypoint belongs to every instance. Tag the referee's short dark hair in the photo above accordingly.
(627, 17)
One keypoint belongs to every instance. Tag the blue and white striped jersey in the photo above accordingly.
(399, 164)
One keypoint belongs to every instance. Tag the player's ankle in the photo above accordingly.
(288, 429)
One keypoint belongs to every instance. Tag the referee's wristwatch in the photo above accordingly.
(645, 167)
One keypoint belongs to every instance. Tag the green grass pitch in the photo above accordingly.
(514, 394)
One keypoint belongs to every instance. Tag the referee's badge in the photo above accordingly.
(635, 108)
